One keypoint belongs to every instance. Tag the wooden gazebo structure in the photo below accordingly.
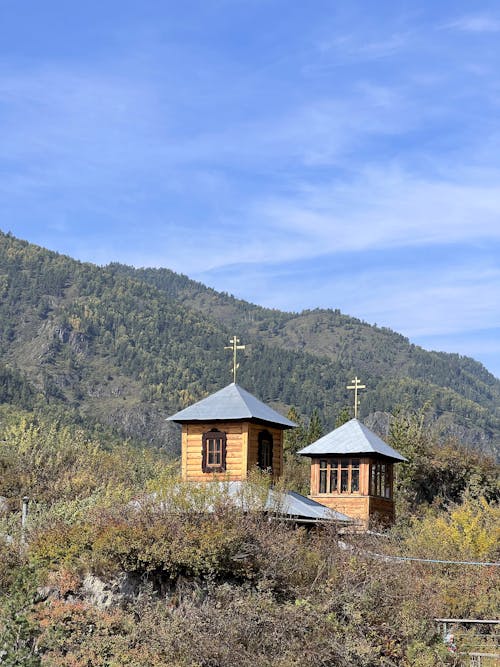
(352, 473)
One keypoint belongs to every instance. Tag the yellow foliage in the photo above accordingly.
(470, 531)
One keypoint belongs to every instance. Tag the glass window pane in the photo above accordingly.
(214, 451)
(388, 479)
(210, 451)
(322, 481)
(344, 479)
(334, 480)
(265, 449)
(355, 480)
(214, 443)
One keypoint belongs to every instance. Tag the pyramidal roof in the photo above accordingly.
(353, 437)
(232, 402)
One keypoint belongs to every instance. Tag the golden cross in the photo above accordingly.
(355, 385)
(234, 346)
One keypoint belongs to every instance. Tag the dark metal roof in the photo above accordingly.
(352, 437)
(232, 402)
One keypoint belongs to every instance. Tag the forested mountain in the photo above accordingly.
(118, 349)
(99, 572)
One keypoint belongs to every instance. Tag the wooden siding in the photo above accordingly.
(356, 507)
(366, 509)
(360, 505)
(241, 453)
(253, 447)
(236, 446)
(381, 510)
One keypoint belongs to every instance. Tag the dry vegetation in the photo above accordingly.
(121, 565)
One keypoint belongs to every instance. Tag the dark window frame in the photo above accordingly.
(221, 439)
(265, 442)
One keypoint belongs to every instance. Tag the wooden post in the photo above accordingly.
(24, 513)
(24, 519)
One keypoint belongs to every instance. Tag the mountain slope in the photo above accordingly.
(460, 392)
(331, 334)
(120, 348)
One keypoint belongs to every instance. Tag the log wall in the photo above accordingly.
(356, 507)
(361, 506)
(253, 447)
(242, 446)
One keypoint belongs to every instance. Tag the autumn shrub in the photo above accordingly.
(52, 462)
(438, 471)
(145, 540)
(11, 560)
(168, 542)
(246, 590)
(60, 544)
(151, 537)
(474, 594)
(18, 629)
(231, 625)
(468, 531)
(219, 582)
(75, 634)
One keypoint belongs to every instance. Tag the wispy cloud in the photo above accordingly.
(476, 23)
(352, 48)
(249, 157)
(59, 113)
(445, 299)
(100, 137)
(388, 207)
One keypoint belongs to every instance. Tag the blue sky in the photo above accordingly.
(298, 155)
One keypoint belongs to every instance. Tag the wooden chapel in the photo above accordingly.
(229, 433)
(352, 473)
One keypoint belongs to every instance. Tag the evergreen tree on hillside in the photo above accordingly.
(315, 430)
(294, 437)
(121, 348)
(343, 417)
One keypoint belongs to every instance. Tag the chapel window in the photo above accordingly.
(214, 451)
(354, 475)
(344, 476)
(323, 472)
(334, 475)
(265, 452)
(339, 476)
(381, 480)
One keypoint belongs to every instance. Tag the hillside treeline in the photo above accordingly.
(117, 349)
